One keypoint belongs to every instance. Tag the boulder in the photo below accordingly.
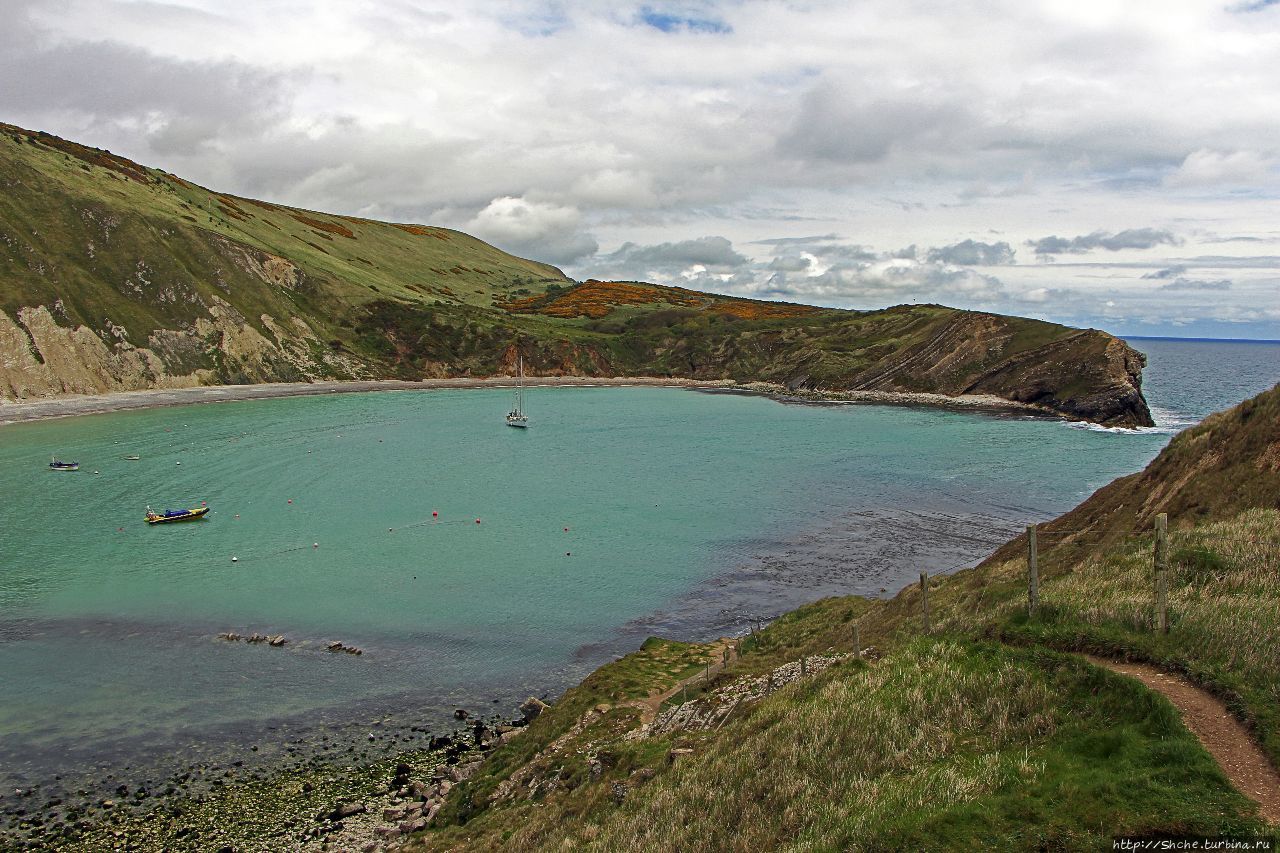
(344, 810)
(532, 707)
(677, 753)
(415, 825)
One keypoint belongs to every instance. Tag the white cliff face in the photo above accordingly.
(41, 359)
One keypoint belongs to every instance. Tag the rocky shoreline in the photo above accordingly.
(310, 802)
(988, 403)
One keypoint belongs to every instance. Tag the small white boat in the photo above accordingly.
(132, 458)
(56, 464)
(516, 417)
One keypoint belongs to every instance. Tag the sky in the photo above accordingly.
(1113, 165)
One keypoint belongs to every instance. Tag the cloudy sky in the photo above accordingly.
(1110, 164)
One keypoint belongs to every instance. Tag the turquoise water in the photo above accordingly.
(621, 512)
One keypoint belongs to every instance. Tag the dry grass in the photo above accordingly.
(826, 765)
(1224, 612)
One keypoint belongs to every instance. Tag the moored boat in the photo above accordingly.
(171, 515)
(58, 465)
(516, 417)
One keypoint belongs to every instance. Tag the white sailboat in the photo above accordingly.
(516, 417)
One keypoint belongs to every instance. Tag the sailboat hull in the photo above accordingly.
(519, 423)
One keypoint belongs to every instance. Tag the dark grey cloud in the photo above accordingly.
(1167, 272)
(1130, 238)
(792, 263)
(668, 263)
(178, 106)
(972, 253)
(707, 251)
(835, 124)
(1196, 284)
(1260, 262)
(793, 241)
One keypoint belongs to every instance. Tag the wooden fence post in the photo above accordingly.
(1162, 573)
(804, 666)
(924, 599)
(857, 640)
(1033, 572)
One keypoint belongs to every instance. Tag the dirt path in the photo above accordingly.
(1227, 740)
(650, 705)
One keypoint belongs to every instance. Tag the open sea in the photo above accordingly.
(475, 564)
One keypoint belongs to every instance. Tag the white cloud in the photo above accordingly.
(1205, 168)
(551, 127)
(539, 229)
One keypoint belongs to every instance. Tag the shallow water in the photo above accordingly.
(622, 512)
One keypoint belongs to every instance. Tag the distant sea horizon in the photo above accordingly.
(1198, 339)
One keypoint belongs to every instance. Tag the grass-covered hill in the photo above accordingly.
(115, 276)
(990, 732)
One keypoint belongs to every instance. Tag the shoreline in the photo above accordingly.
(25, 411)
(12, 411)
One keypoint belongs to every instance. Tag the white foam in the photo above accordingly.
(1155, 430)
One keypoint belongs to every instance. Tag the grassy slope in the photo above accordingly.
(984, 734)
(137, 249)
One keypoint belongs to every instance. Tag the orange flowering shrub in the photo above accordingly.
(749, 309)
(321, 225)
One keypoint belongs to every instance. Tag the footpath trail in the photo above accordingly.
(651, 704)
(1229, 742)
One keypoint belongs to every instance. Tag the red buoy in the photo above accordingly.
(289, 501)
(566, 530)
(477, 521)
(435, 514)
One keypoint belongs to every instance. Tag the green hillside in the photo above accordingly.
(114, 276)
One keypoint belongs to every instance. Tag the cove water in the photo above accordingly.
(476, 564)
